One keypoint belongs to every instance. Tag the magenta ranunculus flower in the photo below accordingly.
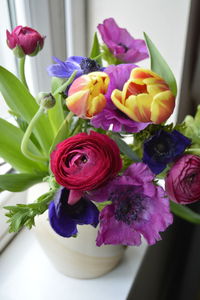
(138, 208)
(84, 162)
(119, 41)
(25, 41)
(182, 182)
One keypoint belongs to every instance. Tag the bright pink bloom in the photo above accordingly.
(27, 38)
(138, 208)
(182, 182)
(122, 45)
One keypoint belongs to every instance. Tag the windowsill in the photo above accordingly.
(26, 272)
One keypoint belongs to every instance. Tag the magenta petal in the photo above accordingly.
(74, 196)
(113, 232)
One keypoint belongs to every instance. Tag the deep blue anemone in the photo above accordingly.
(163, 148)
(64, 218)
(64, 69)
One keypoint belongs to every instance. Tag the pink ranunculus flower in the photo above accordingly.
(182, 182)
(25, 40)
(121, 44)
(84, 162)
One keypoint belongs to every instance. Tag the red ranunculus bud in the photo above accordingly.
(24, 41)
(182, 181)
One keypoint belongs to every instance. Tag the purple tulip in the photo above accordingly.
(25, 40)
(122, 45)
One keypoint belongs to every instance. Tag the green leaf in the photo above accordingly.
(96, 52)
(124, 148)
(21, 102)
(63, 132)
(19, 182)
(185, 212)
(56, 114)
(159, 65)
(24, 214)
(10, 149)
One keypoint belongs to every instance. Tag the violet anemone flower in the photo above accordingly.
(162, 148)
(111, 115)
(64, 218)
(121, 44)
(82, 65)
(138, 208)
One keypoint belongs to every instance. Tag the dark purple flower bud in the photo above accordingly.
(163, 148)
(24, 41)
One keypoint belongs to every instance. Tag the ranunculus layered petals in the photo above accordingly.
(87, 94)
(182, 181)
(85, 161)
(145, 97)
(27, 38)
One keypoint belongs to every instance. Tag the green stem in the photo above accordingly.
(22, 72)
(63, 87)
(185, 212)
(25, 140)
(193, 151)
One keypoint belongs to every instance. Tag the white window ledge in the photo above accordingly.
(26, 272)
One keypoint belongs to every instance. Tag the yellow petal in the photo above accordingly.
(77, 103)
(162, 107)
(96, 105)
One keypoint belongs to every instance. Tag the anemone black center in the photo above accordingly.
(164, 146)
(89, 65)
(123, 46)
(128, 206)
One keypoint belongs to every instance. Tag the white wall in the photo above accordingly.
(165, 21)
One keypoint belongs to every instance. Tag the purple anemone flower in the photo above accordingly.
(163, 148)
(111, 115)
(64, 218)
(82, 65)
(121, 43)
(138, 208)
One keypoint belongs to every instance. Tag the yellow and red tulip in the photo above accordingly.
(87, 94)
(145, 97)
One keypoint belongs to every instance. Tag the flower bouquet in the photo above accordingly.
(101, 141)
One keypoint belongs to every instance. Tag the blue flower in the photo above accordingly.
(83, 65)
(64, 218)
(163, 148)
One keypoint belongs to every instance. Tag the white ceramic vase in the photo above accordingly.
(75, 257)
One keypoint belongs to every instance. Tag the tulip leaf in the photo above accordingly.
(19, 182)
(159, 65)
(21, 102)
(96, 52)
(10, 149)
(185, 212)
(124, 148)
